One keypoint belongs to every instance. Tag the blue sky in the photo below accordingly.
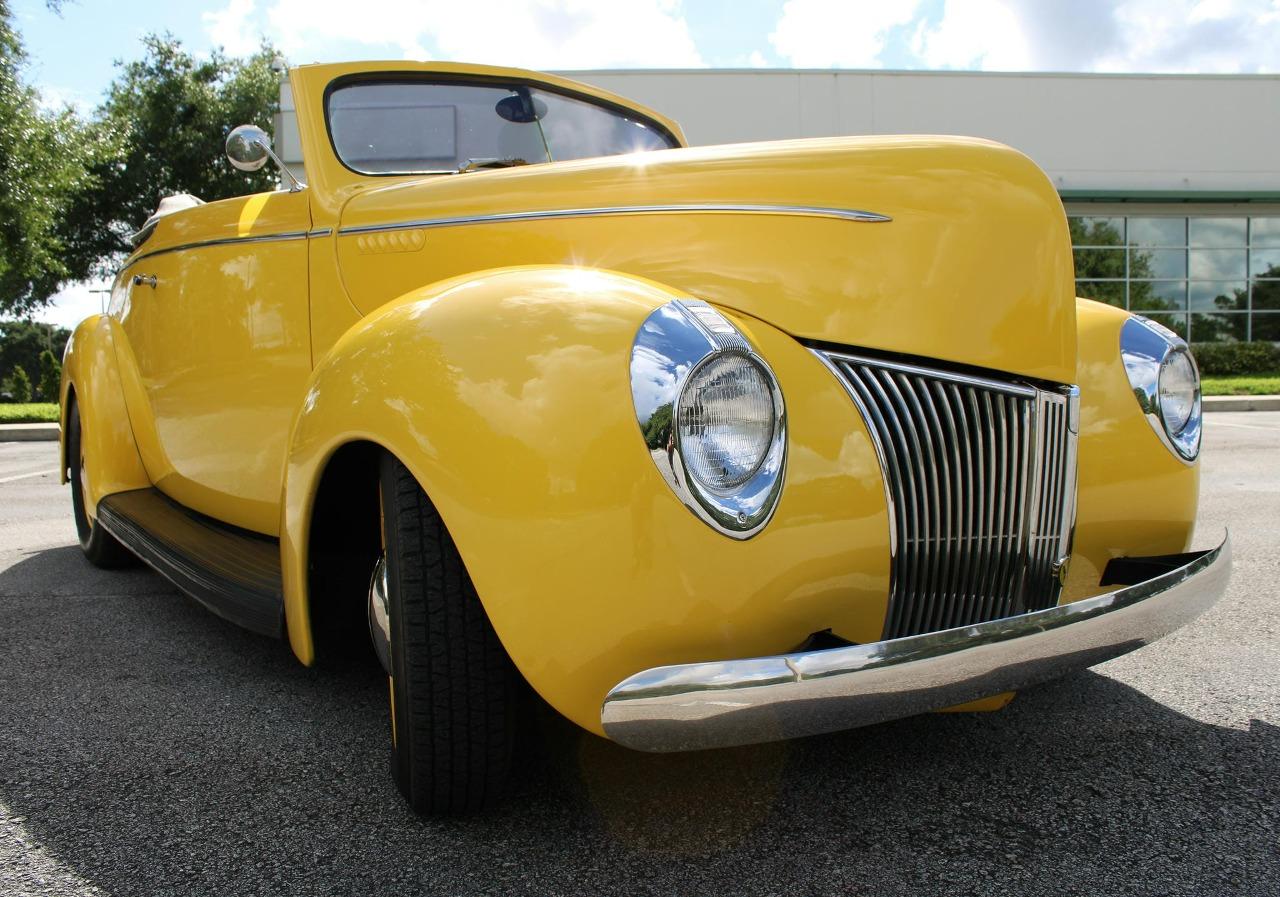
(72, 54)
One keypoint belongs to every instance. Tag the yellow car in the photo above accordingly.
(705, 446)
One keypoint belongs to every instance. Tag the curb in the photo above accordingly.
(28, 432)
(1241, 403)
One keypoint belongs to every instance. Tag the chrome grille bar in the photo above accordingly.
(980, 484)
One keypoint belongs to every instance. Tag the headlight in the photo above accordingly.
(725, 422)
(1179, 391)
(711, 415)
(1166, 383)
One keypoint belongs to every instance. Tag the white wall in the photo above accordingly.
(1214, 134)
(1090, 132)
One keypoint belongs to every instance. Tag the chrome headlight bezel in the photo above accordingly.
(674, 342)
(1147, 350)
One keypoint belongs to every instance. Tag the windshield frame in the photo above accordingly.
(412, 77)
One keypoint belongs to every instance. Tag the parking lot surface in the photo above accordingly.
(147, 747)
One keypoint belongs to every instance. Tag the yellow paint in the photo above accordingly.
(111, 459)
(250, 211)
(218, 353)
(977, 250)
(589, 566)
(493, 359)
(1134, 498)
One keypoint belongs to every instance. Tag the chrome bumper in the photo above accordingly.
(732, 702)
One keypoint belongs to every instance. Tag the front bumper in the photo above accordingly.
(733, 702)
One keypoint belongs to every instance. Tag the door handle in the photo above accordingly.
(148, 279)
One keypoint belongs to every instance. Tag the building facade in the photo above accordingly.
(1171, 183)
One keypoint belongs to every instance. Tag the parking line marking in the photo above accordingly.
(1223, 423)
(25, 476)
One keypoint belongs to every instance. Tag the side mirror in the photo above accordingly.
(249, 148)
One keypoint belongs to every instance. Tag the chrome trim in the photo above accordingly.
(733, 702)
(673, 342)
(219, 241)
(1144, 347)
(379, 607)
(690, 208)
(979, 477)
(240, 144)
(319, 232)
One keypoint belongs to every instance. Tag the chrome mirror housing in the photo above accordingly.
(249, 148)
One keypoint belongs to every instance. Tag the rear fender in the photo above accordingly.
(90, 373)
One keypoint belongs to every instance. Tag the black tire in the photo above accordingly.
(456, 696)
(99, 546)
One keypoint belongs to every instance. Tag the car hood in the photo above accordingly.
(963, 254)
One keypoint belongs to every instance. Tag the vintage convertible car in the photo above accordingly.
(707, 446)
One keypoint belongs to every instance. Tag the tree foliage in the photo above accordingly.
(23, 342)
(44, 156)
(170, 113)
(18, 386)
(50, 376)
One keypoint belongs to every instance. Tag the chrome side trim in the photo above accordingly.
(319, 232)
(733, 702)
(689, 208)
(220, 241)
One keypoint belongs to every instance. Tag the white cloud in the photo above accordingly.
(532, 33)
(1036, 35)
(234, 29)
(844, 33)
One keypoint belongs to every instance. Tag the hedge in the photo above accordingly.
(1236, 359)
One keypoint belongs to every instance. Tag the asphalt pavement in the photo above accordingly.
(147, 747)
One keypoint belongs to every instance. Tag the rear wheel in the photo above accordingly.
(99, 546)
(455, 695)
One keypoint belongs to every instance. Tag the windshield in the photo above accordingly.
(416, 127)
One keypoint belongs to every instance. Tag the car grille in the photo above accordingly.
(980, 481)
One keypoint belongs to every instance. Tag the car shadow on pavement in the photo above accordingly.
(147, 747)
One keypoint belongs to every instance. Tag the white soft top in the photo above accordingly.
(168, 205)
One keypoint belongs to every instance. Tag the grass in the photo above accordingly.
(1250, 385)
(29, 413)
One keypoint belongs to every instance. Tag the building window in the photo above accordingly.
(1207, 278)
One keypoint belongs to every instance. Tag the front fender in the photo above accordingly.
(507, 394)
(1134, 497)
(91, 373)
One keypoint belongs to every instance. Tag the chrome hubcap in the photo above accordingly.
(380, 615)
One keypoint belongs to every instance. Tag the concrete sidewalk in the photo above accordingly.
(28, 432)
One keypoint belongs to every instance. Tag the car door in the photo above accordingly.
(215, 315)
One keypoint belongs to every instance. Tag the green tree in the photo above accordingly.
(44, 156)
(169, 113)
(50, 377)
(19, 385)
(22, 342)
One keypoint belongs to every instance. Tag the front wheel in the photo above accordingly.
(99, 546)
(455, 695)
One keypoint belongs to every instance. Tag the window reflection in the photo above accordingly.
(1217, 233)
(1210, 295)
(1157, 231)
(1224, 270)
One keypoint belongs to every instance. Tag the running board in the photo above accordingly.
(233, 572)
